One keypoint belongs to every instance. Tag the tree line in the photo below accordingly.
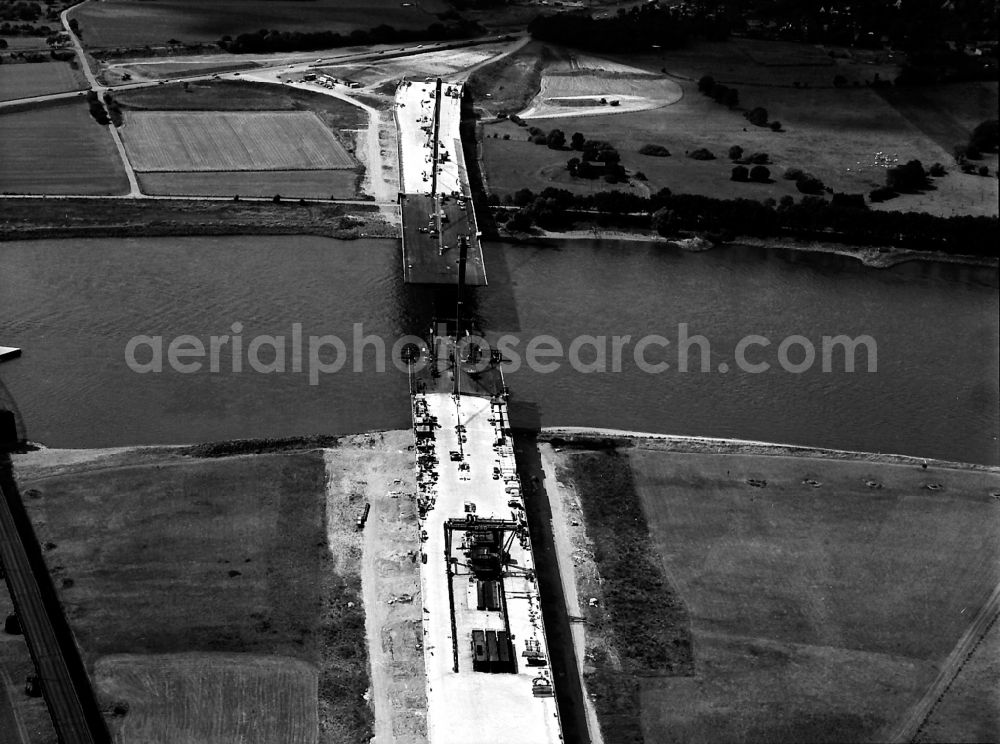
(265, 40)
(812, 218)
(640, 26)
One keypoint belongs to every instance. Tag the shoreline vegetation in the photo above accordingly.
(554, 435)
(877, 257)
(46, 218)
(574, 436)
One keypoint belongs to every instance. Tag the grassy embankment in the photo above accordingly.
(640, 619)
(203, 591)
(73, 218)
(824, 594)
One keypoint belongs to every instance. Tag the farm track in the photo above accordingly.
(906, 729)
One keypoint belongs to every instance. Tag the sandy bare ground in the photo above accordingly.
(576, 86)
(378, 470)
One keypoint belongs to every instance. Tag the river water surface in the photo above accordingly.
(74, 305)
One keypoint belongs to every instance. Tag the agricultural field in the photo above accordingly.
(38, 79)
(231, 141)
(968, 710)
(207, 584)
(295, 184)
(791, 567)
(130, 24)
(58, 149)
(211, 697)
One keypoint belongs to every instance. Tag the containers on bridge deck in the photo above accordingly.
(491, 652)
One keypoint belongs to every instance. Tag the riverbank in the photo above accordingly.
(578, 435)
(56, 218)
(874, 257)
(788, 560)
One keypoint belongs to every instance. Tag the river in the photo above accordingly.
(74, 306)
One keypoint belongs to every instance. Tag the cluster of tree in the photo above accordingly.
(641, 26)
(718, 92)
(598, 159)
(657, 151)
(24, 29)
(812, 218)
(984, 138)
(554, 140)
(759, 174)
(910, 26)
(97, 109)
(114, 110)
(807, 183)
(737, 155)
(20, 11)
(30, 57)
(702, 153)
(758, 117)
(290, 41)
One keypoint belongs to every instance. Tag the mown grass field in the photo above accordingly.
(818, 613)
(123, 23)
(58, 149)
(158, 553)
(231, 141)
(195, 698)
(296, 184)
(38, 79)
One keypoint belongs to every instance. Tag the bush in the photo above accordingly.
(882, 194)
(735, 152)
(706, 84)
(909, 178)
(538, 139)
(984, 170)
(701, 153)
(809, 184)
(759, 158)
(740, 173)
(775, 126)
(760, 174)
(757, 116)
(793, 174)
(640, 176)
(658, 151)
(937, 170)
(851, 201)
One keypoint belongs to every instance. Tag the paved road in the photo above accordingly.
(95, 85)
(64, 682)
